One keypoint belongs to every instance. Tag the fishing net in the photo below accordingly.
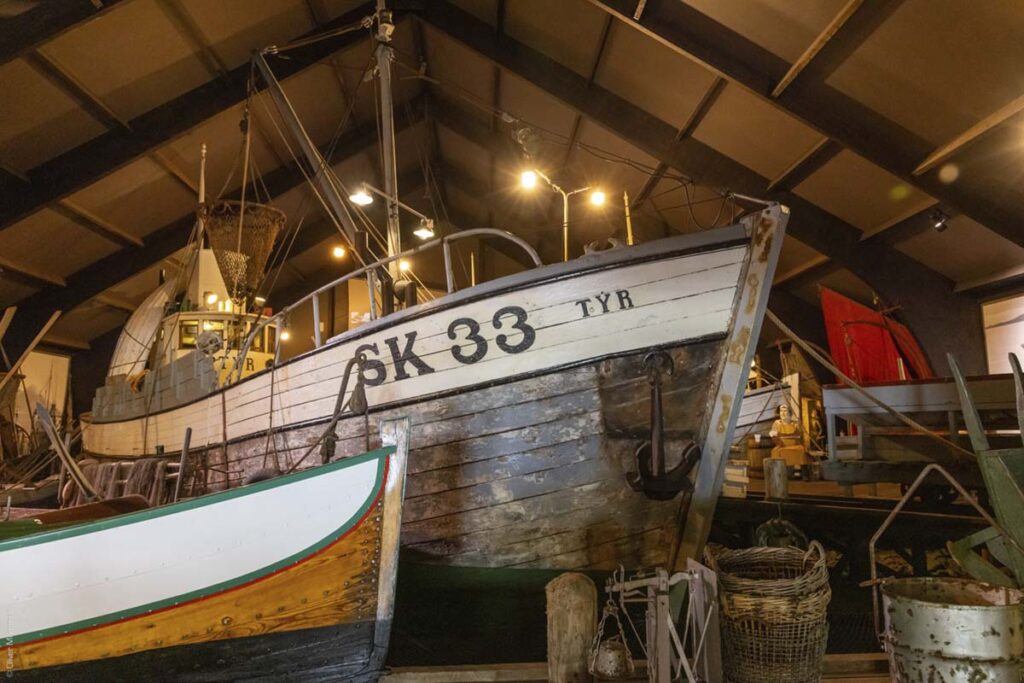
(774, 613)
(242, 243)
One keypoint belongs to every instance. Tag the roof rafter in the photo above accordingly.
(87, 163)
(897, 277)
(689, 32)
(163, 242)
(44, 22)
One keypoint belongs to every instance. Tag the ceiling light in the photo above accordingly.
(403, 265)
(597, 197)
(939, 220)
(528, 180)
(426, 229)
(338, 252)
(362, 197)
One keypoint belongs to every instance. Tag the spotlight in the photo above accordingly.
(597, 197)
(362, 197)
(939, 220)
(338, 252)
(426, 229)
(528, 180)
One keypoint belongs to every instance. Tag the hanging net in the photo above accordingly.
(241, 243)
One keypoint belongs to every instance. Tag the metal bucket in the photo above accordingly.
(953, 630)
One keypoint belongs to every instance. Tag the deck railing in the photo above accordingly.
(314, 296)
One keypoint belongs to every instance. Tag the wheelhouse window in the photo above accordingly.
(188, 330)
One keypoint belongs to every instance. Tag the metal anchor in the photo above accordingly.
(651, 476)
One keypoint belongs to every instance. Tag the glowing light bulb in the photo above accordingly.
(597, 197)
(404, 265)
(362, 197)
(285, 335)
(211, 298)
(338, 252)
(426, 229)
(528, 179)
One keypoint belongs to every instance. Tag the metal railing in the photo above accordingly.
(314, 296)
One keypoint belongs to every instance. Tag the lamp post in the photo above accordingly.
(528, 180)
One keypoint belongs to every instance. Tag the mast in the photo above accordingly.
(385, 54)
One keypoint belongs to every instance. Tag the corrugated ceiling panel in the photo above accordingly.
(937, 67)
(138, 198)
(784, 28)
(32, 243)
(651, 76)
(567, 31)
(234, 28)
(795, 255)
(132, 57)
(461, 71)
(859, 192)
(38, 120)
(754, 133)
(88, 321)
(964, 251)
(13, 292)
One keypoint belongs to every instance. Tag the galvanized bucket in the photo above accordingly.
(953, 630)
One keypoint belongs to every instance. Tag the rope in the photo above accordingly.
(339, 406)
(913, 424)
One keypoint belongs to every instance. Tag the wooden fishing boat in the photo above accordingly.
(287, 579)
(558, 411)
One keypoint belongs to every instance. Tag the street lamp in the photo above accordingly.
(528, 180)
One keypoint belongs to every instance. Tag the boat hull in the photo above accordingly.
(529, 400)
(293, 577)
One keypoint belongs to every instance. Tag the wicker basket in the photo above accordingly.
(242, 239)
(774, 613)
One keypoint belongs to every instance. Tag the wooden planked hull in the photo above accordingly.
(292, 576)
(529, 400)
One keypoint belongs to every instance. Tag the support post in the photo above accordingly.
(572, 623)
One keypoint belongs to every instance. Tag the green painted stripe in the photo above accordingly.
(380, 454)
(192, 503)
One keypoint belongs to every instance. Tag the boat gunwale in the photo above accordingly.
(666, 248)
(98, 525)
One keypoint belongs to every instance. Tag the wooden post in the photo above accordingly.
(572, 622)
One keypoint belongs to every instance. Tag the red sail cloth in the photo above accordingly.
(868, 346)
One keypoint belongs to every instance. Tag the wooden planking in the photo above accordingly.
(320, 592)
(675, 310)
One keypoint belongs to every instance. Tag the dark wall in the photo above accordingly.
(89, 370)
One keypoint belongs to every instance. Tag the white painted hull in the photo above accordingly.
(674, 300)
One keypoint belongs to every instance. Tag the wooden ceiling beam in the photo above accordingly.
(945, 151)
(189, 30)
(816, 157)
(699, 114)
(817, 44)
(825, 108)
(87, 163)
(929, 302)
(42, 23)
(27, 275)
(94, 224)
(50, 69)
(117, 302)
